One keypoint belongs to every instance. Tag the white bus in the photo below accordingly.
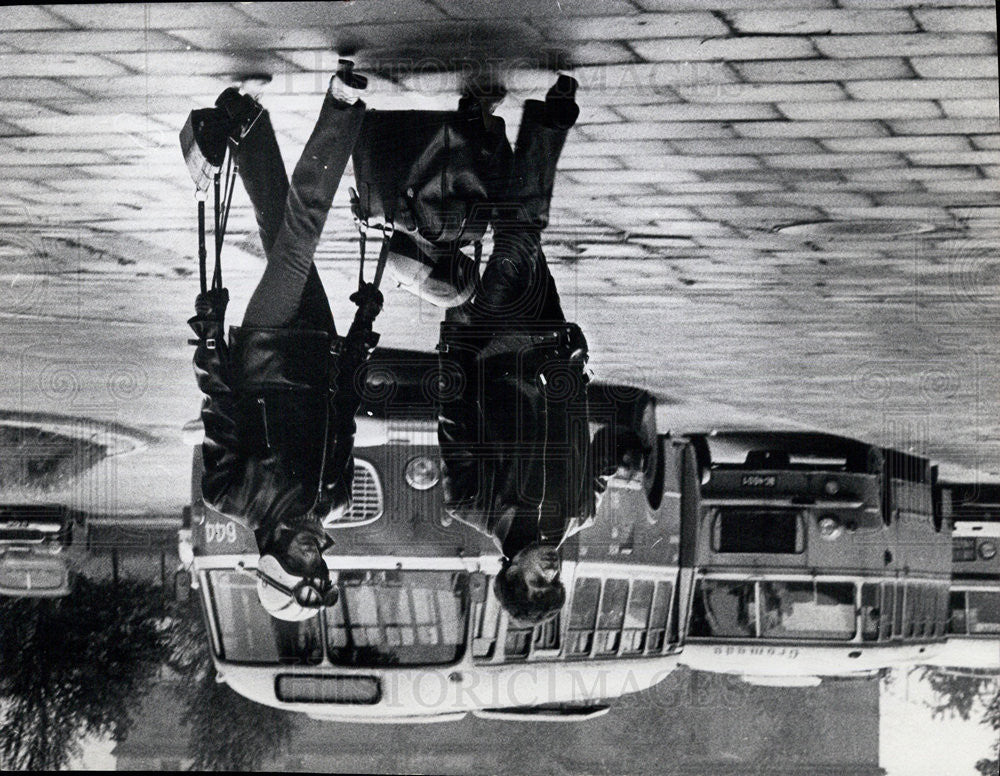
(974, 604)
(417, 634)
(818, 556)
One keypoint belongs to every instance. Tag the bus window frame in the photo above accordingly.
(900, 593)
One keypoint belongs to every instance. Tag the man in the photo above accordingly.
(279, 397)
(514, 437)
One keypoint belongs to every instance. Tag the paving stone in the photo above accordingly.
(897, 144)
(48, 66)
(650, 80)
(809, 129)
(748, 146)
(886, 175)
(589, 163)
(760, 92)
(904, 213)
(908, 45)
(156, 16)
(986, 141)
(815, 199)
(854, 110)
(804, 21)
(726, 5)
(656, 130)
(942, 126)
(200, 62)
(472, 9)
(754, 47)
(598, 52)
(700, 112)
(29, 17)
(19, 110)
(985, 184)
(637, 27)
(971, 108)
(190, 86)
(632, 176)
(934, 159)
(924, 88)
(957, 19)
(909, 3)
(20, 89)
(955, 66)
(256, 36)
(794, 70)
(92, 41)
(43, 158)
(696, 162)
(834, 161)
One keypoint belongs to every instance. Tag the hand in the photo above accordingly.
(211, 305)
(369, 301)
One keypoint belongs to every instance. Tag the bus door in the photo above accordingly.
(627, 530)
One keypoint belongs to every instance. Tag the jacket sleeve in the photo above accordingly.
(220, 450)
(461, 431)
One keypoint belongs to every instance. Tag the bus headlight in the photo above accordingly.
(832, 487)
(422, 473)
(987, 549)
(830, 527)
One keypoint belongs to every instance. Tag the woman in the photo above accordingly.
(279, 396)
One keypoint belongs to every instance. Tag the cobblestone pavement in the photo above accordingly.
(773, 211)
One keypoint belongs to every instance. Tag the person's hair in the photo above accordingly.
(278, 546)
(523, 604)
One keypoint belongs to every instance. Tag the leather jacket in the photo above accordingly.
(278, 412)
(514, 433)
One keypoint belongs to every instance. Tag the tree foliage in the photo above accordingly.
(227, 732)
(75, 666)
(958, 693)
(991, 767)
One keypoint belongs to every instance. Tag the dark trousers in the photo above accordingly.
(291, 216)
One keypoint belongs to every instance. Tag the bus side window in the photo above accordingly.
(658, 617)
(888, 610)
(925, 605)
(958, 622)
(609, 621)
(897, 622)
(583, 614)
(911, 611)
(488, 619)
(871, 615)
(637, 616)
(941, 612)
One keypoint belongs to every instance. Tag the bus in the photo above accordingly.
(818, 556)
(974, 604)
(417, 634)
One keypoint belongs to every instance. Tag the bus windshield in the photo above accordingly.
(249, 634)
(774, 610)
(382, 618)
(398, 618)
(984, 611)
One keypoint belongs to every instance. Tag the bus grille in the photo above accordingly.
(367, 501)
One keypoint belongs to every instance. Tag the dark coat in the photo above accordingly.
(514, 432)
(279, 423)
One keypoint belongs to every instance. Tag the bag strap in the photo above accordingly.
(222, 204)
(361, 222)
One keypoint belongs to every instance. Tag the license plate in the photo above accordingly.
(759, 481)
